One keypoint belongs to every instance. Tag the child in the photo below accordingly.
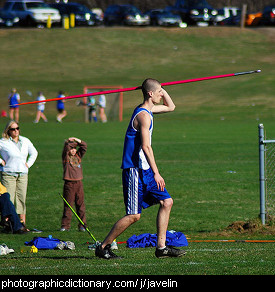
(72, 176)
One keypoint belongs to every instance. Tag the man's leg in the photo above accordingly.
(130, 177)
(104, 250)
(163, 251)
(163, 220)
(119, 227)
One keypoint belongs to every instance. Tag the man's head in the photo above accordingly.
(149, 85)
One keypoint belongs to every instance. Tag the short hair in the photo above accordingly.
(149, 84)
(6, 134)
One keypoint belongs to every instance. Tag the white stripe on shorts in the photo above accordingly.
(132, 206)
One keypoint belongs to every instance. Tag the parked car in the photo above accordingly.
(251, 19)
(226, 12)
(163, 17)
(268, 16)
(192, 12)
(99, 13)
(7, 19)
(31, 12)
(125, 15)
(83, 15)
(233, 20)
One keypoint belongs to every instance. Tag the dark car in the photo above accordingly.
(125, 15)
(83, 15)
(268, 16)
(192, 12)
(7, 19)
(163, 17)
(234, 20)
(226, 12)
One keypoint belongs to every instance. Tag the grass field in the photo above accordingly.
(207, 150)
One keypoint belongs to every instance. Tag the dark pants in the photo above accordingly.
(7, 210)
(74, 195)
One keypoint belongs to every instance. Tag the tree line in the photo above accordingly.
(143, 5)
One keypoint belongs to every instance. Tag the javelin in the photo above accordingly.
(233, 240)
(224, 240)
(139, 87)
(84, 225)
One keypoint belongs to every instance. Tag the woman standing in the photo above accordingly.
(18, 155)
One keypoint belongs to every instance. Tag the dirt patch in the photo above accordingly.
(251, 227)
(269, 31)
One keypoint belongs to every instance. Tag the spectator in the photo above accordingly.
(73, 188)
(40, 108)
(18, 155)
(102, 106)
(92, 109)
(9, 218)
(61, 107)
(14, 100)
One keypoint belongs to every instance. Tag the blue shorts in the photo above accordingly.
(14, 106)
(140, 190)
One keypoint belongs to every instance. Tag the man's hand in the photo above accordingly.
(160, 181)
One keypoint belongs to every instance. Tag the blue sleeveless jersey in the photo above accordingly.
(14, 99)
(133, 155)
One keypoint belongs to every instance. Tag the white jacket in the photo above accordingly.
(15, 159)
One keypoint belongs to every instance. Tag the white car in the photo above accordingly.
(32, 12)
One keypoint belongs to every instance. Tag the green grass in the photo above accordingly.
(214, 130)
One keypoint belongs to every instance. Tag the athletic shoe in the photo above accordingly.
(64, 229)
(114, 245)
(65, 245)
(22, 230)
(4, 250)
(105, 253)
(61, 245)
(169, 251)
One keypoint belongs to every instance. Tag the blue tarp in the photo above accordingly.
(173, 238)
(44, 242)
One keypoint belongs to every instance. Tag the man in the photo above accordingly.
(143, 185)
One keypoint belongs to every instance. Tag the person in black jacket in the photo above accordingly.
(9, 218)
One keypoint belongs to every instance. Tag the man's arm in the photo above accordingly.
(144, 122)
(167, 106)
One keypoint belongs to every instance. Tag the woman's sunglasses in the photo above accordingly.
(13, 129)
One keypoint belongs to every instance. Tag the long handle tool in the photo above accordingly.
(84, 225)
(139, 87)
